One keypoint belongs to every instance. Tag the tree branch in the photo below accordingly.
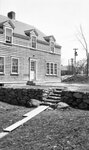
(83, 37)
(83, 43)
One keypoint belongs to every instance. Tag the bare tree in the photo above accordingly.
(81, 66)
(81, 38)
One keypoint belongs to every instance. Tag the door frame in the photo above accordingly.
(34, 60)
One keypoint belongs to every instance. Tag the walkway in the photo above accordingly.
(72, 86)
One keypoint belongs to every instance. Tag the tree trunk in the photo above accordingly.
(87, 67)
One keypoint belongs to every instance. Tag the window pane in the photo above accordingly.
(1, 64)
(34, 41)
(32, 65)
(55, 69)
(51, 68)
(47, 70)
(14, 65)
(8, 35)
(1, 69)
(1, 60)
(52, 46)
(8, 32)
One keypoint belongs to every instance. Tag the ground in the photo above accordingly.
(75, 79)
(50, 130)
(83, 87)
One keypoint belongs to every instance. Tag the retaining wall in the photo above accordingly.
(20, 96)
(76, 99)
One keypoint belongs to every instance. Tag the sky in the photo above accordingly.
(61, 18)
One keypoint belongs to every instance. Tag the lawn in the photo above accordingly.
(9, 114)
(50, 130)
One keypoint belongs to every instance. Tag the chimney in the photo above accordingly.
(11, 15)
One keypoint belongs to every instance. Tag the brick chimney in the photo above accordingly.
(11, 15)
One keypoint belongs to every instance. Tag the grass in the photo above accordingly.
(50, 130)
(9, 114)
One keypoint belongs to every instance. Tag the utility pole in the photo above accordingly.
(75, 54)
(68, 66)
(72, 65)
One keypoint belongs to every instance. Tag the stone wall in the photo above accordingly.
(76, 99)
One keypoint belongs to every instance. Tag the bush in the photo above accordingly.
(20, 96)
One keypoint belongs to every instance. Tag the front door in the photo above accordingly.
(32, 70)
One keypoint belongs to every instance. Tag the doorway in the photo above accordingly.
(32, 70)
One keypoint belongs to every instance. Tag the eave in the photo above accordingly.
(9, 21)
(47, 38)
(21, 36)
(28, 32)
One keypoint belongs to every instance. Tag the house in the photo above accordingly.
(27, 54)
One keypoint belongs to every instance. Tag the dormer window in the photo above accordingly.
(8, 35)
(52, 46)
(34, 41)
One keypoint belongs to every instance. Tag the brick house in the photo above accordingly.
(26, 54)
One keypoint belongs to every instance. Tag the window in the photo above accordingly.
(14, 64)
(8, 35)
(55, 69)
(47, 69)
(51, 68)
(33, 41)
(1, 65)
(52, 46)
(32, 65)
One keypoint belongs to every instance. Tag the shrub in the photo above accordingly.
(20, 96)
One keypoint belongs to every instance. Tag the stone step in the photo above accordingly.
(59, 89)
(57, 92)
(51, 100)
(54, 97)
(31, 83)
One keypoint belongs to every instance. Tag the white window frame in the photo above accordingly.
(4, 65)
(31, 41)
(51, 47)
(53, 69)
(14, 73)
(6, 35)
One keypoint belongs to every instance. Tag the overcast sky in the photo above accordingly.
(60, 18)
